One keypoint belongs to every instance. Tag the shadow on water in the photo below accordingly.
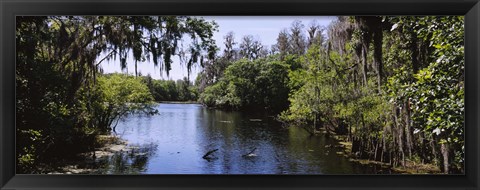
(132, 161)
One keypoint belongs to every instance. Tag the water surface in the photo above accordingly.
(175, 141)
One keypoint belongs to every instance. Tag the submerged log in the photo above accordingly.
(250, 154)
(208, 154)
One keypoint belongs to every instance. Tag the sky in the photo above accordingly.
(264, 28)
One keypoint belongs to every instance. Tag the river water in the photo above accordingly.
(175, 141)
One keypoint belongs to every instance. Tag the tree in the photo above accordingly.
(340, 33)
(370, 27)
(418, 65)
(283, 46)
(58, 63)
(251, 48)
(315, 34)
(229, 52)
(437, 93)
(297, 38)
(258, 84)
(120, 95)
(184, 90)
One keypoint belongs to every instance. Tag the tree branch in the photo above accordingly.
(109, 54)
(208, 154)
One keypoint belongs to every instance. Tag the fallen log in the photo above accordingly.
(250, 154)
(208, 154)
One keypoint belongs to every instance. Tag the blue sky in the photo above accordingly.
(264, 28)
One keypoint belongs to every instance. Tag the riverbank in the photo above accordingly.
(88, 162)
(410, 167)
(179, 102)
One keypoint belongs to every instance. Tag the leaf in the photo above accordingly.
(394, 27)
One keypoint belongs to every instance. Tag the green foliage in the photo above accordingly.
(186, 91)
(434, 94)
(437, 94)
(27, 155)
(215, 95)
(326, 91)
(58, 92)
(169, 90)
(395, 85)
(120, 95)
(246, 84)
(420, 106)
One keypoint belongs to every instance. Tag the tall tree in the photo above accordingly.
(250, 48)
(371, 27)
(297, 38)
(315, 34)
(229, 52)
(283, 45)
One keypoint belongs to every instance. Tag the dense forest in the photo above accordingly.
(63, 99)
(170, 90)
(392, 87)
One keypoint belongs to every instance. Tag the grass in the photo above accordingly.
(412, 167)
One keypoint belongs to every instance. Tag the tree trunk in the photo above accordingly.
(364, 62)
(400, 135)
(434, 148)
(136, 71)
(383, 144)
(401, 145)
(377, 54)
(408, 130)
(445, 154)
(350, 132)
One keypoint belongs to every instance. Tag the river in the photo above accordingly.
(175, 140)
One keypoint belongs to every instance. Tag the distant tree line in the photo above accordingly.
(170, 90)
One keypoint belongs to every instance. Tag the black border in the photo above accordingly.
(10, 8)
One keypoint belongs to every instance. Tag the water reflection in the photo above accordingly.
(177, 141)
(132, 161)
